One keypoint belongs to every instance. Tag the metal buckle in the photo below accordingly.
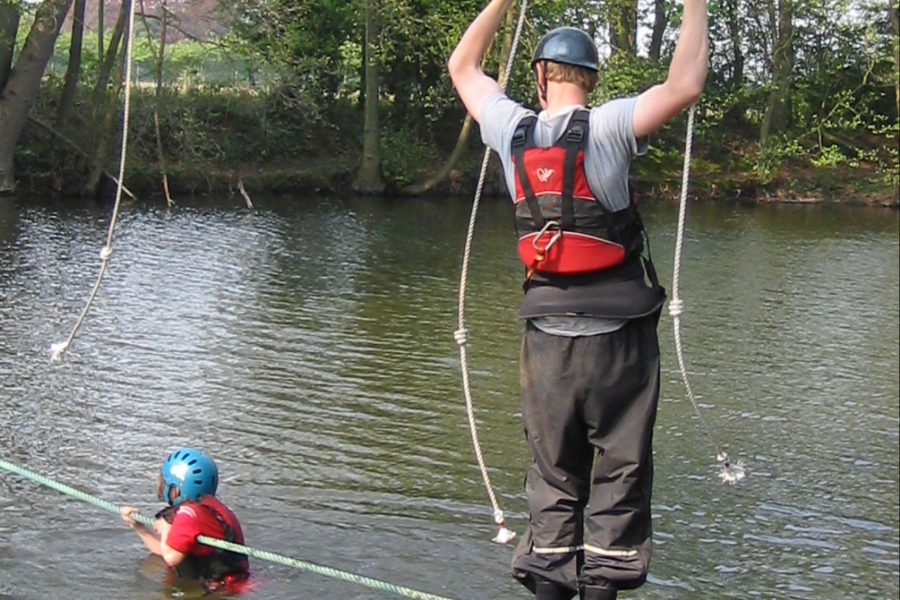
(553, 240)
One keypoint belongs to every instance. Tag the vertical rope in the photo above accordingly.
(461, 335)
(106, 252)
(729, 473)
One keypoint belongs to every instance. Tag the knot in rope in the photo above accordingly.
(461, 336)
(105, 253)
(676, 307)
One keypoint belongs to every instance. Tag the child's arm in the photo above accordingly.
(146, 534)
(170, 555)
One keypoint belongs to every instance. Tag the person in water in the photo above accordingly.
(589, 361)
(187, 482)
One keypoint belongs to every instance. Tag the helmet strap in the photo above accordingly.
(542, 87)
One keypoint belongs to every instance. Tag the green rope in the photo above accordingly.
(260, 554)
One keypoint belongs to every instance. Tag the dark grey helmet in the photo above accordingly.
(569, 46)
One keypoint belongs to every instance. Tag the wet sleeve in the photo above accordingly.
(498, 119)
(184, 532)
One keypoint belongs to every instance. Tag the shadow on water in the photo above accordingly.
(308, 345)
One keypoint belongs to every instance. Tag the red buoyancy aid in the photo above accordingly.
(563, 228)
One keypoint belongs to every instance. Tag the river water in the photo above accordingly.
(308, 346)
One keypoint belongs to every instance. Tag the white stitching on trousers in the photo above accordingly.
(563, 550)
(613, 553)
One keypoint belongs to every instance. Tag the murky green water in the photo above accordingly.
(308, 345)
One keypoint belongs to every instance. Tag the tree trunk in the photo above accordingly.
(660, 22)
(9, 27)
(109, 61)
(777, 117)
(107, 127)
(163, 28)
(73, 71)
(101, 4)
(895, 25)
(733, 23)
(623, 26)
(459, 149)
(369, 179)
(25, 82)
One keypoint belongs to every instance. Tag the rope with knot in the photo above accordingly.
(461, 334)
(59, 348)
(728, 472)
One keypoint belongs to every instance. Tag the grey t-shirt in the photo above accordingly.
(607, 158)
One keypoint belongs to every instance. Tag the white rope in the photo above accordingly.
(461, 335)
(106, 252)
(728, 472)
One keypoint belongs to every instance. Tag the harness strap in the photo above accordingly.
(576, 140)
(520, 140)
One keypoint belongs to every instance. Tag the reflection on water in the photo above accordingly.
(308, 346)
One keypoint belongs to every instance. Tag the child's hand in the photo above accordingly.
(126, 511)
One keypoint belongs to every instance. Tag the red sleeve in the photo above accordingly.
(184, 531)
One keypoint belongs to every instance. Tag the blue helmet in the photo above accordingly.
(192, 472)
(569, 46)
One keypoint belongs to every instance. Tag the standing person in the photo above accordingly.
(188, 481)
(589, 363)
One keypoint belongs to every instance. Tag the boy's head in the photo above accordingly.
(567, 55)
(187, 474)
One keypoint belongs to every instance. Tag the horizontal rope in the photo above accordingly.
(241, 549)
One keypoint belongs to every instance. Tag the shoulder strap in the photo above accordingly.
(575, 140)
(521, 140)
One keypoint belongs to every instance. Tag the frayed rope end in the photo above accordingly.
(58, 349)
(504, 536)
(731, 473)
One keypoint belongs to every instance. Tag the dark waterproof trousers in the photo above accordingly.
(589, 406)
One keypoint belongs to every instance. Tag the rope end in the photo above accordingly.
(504, 536)
(731, 473)
(58, 349)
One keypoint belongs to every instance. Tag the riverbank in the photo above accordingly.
(334, 173)
(794, 184)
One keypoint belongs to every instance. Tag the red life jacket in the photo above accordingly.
(581, 258)
(563, 228)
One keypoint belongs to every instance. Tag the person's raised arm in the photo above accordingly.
(687, 74)
(471, 83)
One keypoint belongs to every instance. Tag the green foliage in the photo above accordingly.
(284, 84)
(406, 158)
(626, 75)
(771, 156)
